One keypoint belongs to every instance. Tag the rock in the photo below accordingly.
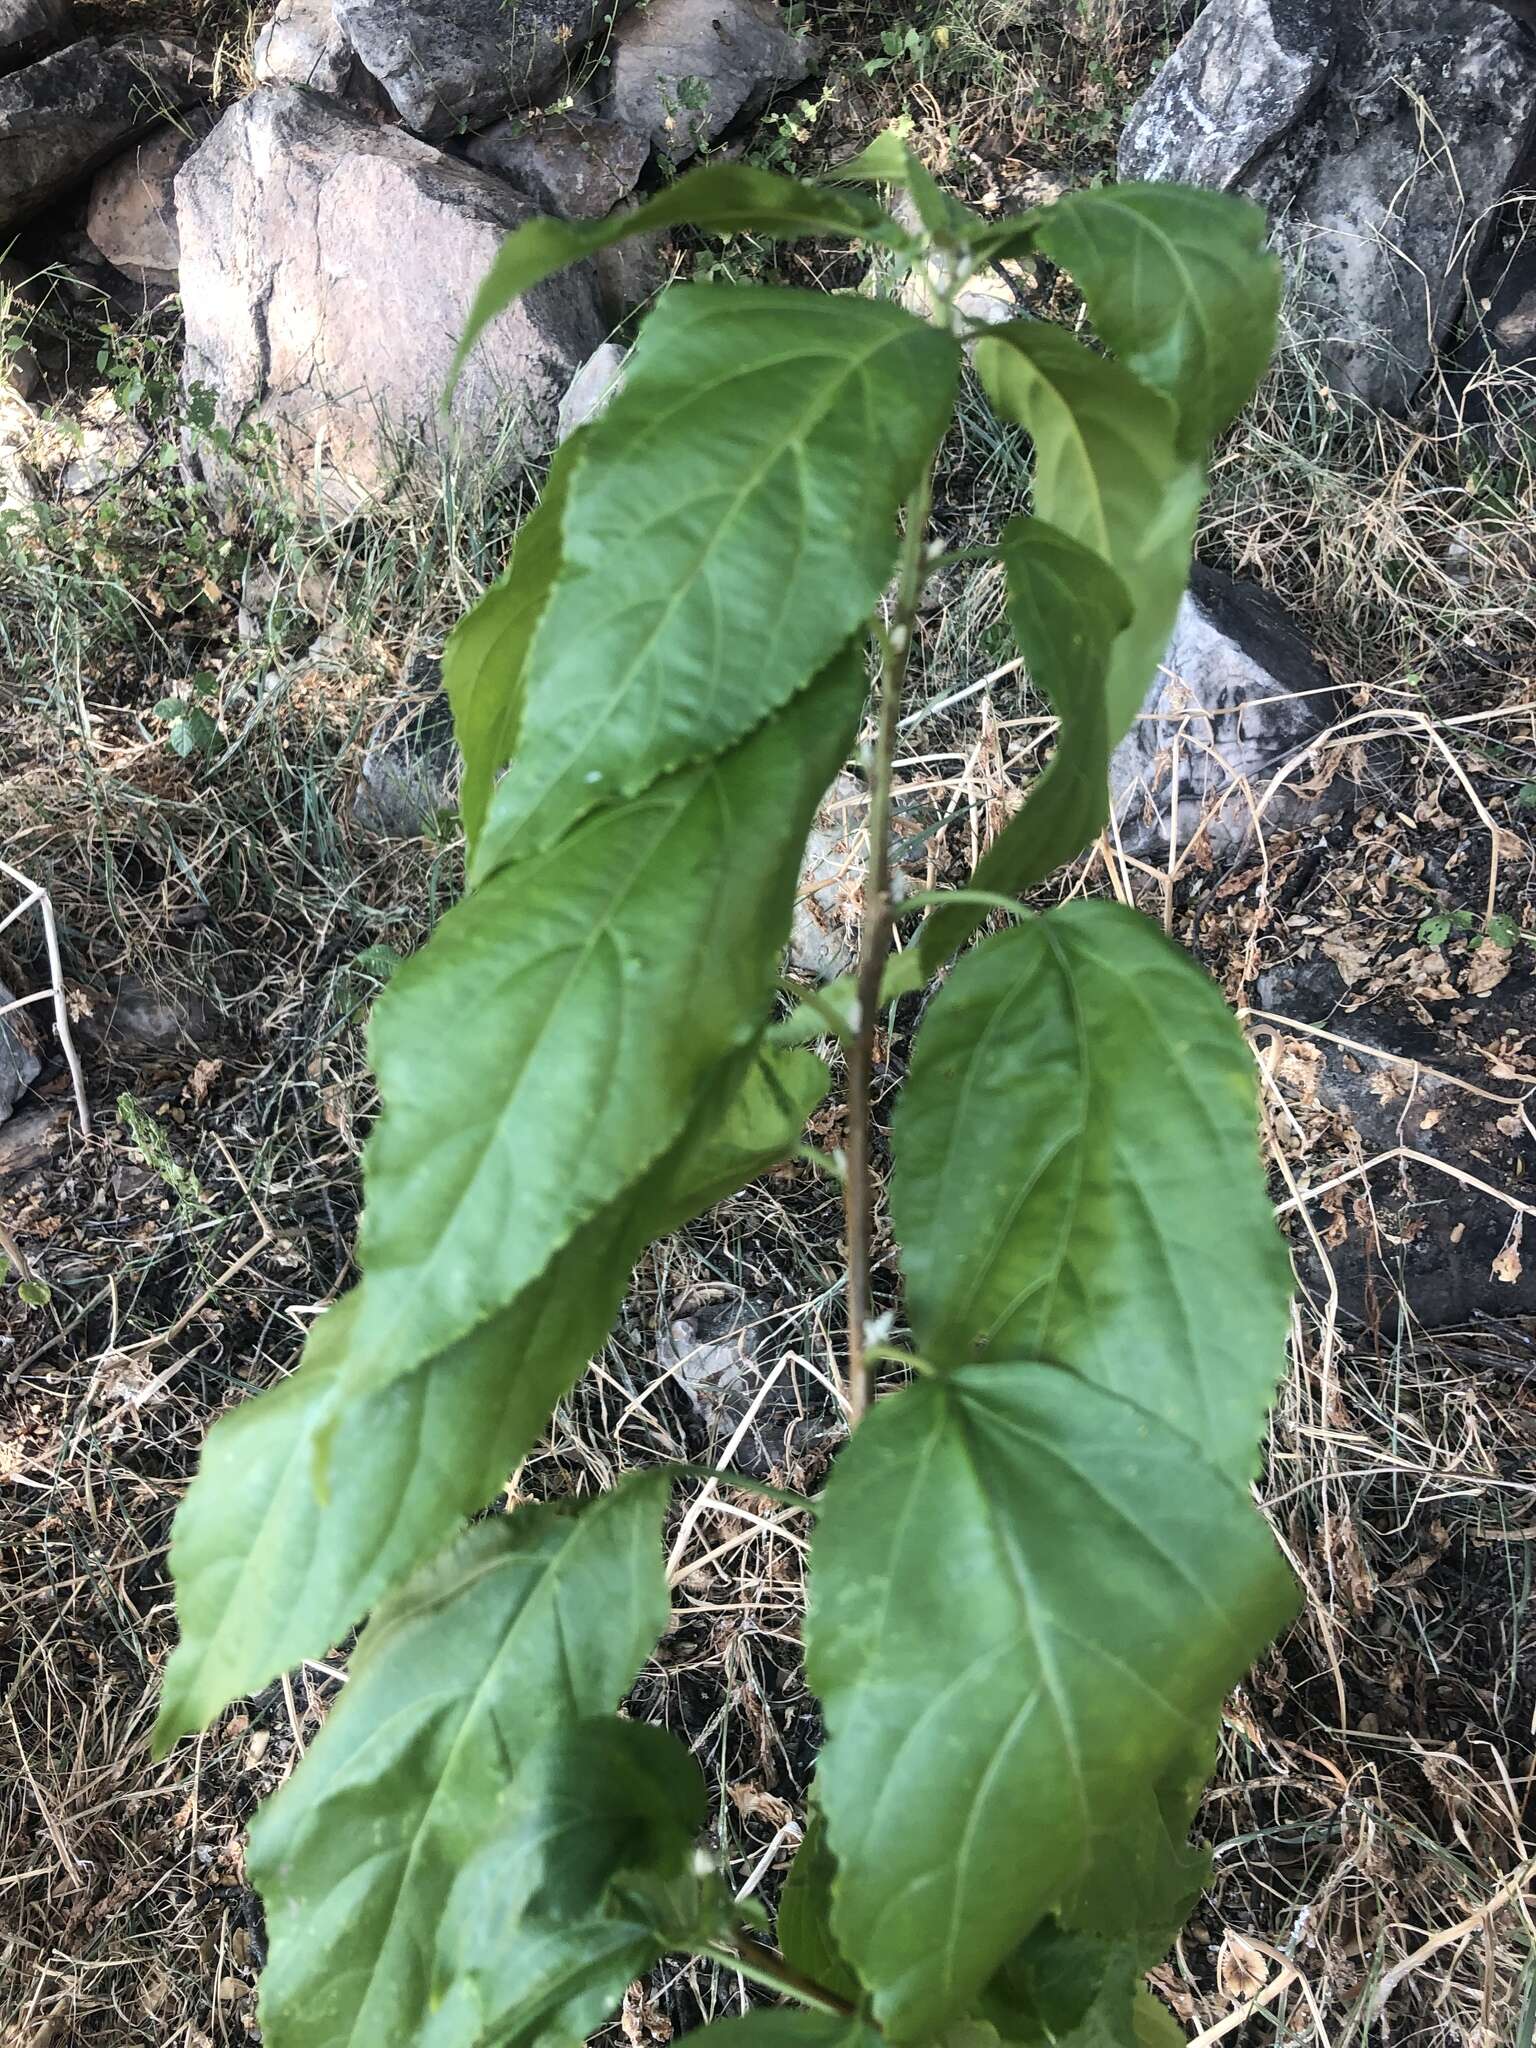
(304, 44)
(1382, 182)
(18, 310)
(95, 287)
(599, 377)
(277, 602)
(328, 267)
(132, 1018)
(453, 64)
(992, 296)
(1411, 1240)
(30, 1145)
(632, 273)
(720, 1354)
(1491, 381)
(131, 217)
(62, 117)
(1233, 648)
(1414, 142)
(106, 446)
(1234, 85)
(681, 71)
(18, 432)
(19, 1063)
(824, 934)
(571, 164)
(29, 29)
(406, 779)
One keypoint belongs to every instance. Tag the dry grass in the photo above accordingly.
(1371, 1810)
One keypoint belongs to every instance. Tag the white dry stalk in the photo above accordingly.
(35, 893)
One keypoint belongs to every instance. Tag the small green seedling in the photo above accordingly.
(192, 728)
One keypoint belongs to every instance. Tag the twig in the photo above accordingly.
(764, 1967)
(16, 1255)
(875, 944)
(1479, 1917)
(1234, 2019)
(36, 893)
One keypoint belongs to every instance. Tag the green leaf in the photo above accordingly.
(1152, 2024)
(528, 1622)
(890, 160)
(485, 660)
(517, 1984)
(732, 523)
(722, 199)
(379, 961)
(833, 1010)
(1179, 284)
(805, 1915)
(599, 1798)
(1059, 1989)
(549, 1922)
(1434, 931)
(1077, 1176)
(1108, 475)
(1067, 607)
(1027, 1594)
(589, 996)
(35, 1293)
(1143, 1876)
(268, 1573)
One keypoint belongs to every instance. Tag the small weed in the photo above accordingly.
(193, 729)
(149, 1137)
(1500, 930)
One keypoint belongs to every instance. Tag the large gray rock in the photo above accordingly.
(131, 217)
(1491, 381)
(454, 64)
(64, 116)
(1231, 88)
(304, 44)
(1394, 183)
(31, 28)
(1239, 694)
(682, 71)
(327, 269)
(1382, 182)
(19, 1063)
(572, 165)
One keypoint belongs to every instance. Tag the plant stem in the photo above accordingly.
(764, 1967)
(18, 1258)
(875, 944)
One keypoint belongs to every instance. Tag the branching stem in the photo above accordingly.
(875, 944)
(764, 1967)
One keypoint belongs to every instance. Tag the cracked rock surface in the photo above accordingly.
(328, 267)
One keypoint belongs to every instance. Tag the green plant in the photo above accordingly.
(148, 1135)
(1036, 1568)
(192, 728)
(1499, 929)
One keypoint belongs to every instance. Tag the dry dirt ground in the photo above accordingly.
(225, 924)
